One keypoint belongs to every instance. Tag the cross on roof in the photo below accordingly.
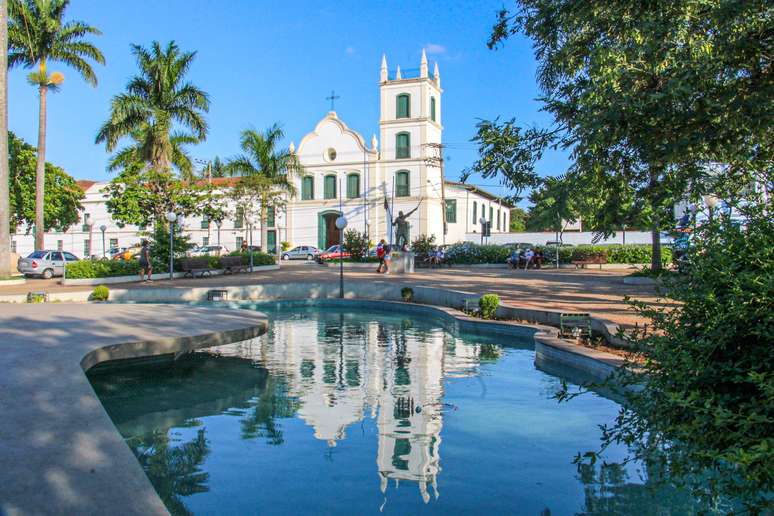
(332, 98)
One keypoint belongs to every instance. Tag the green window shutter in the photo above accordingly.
(402, 145)
(330, 187)
(353, 186)
(403, 106)
(432, 109)
(475, 212)
(451, 210)
(239, 218)
(205, 222)
(270, 216)
(307, 188)
(402, 185)
(491, 215)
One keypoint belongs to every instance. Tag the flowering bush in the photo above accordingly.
(470, 253)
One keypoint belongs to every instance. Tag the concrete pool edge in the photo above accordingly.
(60, 451)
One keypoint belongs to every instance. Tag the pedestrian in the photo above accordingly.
(380, 255)
(528, 258)
(387, 258)
(244, 246)
(146, 266)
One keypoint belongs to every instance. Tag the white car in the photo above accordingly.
(45, 264)
(302, 252)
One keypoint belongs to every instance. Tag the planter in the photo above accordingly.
(158, 276)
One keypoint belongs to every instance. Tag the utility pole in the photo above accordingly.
(5, 202)
(436, 160)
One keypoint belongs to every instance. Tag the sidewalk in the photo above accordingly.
(587, 290)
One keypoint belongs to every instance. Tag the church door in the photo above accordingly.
(327, 232)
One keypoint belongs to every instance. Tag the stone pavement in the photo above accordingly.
(59, 451)
(600, 292)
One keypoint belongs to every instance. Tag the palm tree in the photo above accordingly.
(275, 168)
(154, 101)
(37, 35)
(5, 202)
(136, 152)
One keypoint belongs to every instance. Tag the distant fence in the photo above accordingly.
(569, 237)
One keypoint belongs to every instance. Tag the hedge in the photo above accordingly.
(258, 259)
(469, 253)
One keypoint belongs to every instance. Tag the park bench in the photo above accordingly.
(233, 264)
(193, 266)
(575, 325)
(592, 260)
(217, 295)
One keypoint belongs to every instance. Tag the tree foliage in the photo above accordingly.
(517, 220)
(63, 202)
(554, 205)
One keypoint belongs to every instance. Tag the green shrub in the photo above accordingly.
(86, 269)
(488, 305)
(470, 253)
(407, 293)
(258, 258)
(423, 244)
(100, 293)
(356, 244)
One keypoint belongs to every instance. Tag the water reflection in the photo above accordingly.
(378, 395)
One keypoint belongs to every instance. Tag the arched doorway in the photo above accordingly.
(327, 232)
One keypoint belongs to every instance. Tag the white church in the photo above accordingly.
(342, 173)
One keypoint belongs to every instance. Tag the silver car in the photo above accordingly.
(45, 263)
(302, 252)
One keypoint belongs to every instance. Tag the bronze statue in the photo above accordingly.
(401, 226)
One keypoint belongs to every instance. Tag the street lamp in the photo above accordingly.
(218, 223)
(171, 218)
(90, 224)
(103, 228)
(341, 223)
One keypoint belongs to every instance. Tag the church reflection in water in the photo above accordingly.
(342, 373)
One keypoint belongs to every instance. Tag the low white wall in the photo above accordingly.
(158, 276)
(571, 237)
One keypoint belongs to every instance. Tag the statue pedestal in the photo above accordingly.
(402, 262)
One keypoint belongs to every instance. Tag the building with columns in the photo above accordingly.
(401, 169)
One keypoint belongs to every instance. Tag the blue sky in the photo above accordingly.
(265, 62)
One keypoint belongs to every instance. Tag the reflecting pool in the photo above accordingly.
(349, 412)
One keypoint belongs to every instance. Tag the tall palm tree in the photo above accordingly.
(142, 138)
(5, 202)
(37, 35)
(277, 168)
(154, 101)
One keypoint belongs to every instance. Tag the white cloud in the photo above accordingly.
(350, 50)
(435, 48)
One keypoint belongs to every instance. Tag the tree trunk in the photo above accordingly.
(40, 173)
(655, 261)
(5, 203)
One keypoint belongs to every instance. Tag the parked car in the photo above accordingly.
(554, 243)
(46, 264)
(209, 250)
(301, 252)
(333, 252)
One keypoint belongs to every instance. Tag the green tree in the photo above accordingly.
(37, 36)
(63, 202)
(275, 168)
(135, 152)
(518, 220)
(5, 207)
(553, 206)
(652, 93)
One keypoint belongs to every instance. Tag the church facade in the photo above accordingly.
(372, 183)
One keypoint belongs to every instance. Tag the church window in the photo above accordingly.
(205, 222)
(432, 109)
(353, 186)
(402, 145)
(403, 106)
(498, 220)
(331, 154)
(270, 217)
(239, 218)
(402, 186)
(475, 212)
(451, 210)
(307, 188)
(330, 187)
(491, 216)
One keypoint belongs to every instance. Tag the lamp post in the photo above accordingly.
(90, 225)
(250, 246)
(710, 201)
(341, 223)
(103, 228)
(218, 223)
(171, 218)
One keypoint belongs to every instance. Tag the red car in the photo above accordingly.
(332, 253)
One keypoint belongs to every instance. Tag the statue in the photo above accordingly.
(401, 226)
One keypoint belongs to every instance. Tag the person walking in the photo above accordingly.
(387, 258)
(380, 255)
(146, 266)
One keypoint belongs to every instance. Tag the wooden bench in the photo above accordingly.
(594, 260)
(575, 325)
(233, 264)
(193, 266)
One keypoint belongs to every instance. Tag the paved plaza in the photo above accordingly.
(599, 292)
